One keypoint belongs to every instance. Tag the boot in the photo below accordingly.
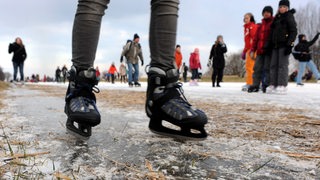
(80, 104)
(166, 101)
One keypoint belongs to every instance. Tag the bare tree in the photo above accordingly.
(234, 65)
(2, 76)
(308, 23)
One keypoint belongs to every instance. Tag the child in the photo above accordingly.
(112, 71)
(250, 29)
(262, 62)
(194, 66)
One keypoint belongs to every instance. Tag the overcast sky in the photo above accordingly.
(45, 27)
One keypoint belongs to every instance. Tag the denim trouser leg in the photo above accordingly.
(21, 71)
(136, 72)
(130, 78)
(15, 70)
(314, 69)
(162, 35)
(302, 68)
(86, 31)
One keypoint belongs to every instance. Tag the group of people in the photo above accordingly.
(61, 74)
(267, 49)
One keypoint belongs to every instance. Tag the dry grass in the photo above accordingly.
(3, 87)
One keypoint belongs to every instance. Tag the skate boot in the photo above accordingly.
(253, 89)
(130, 84)
(166, 102)
(137, 84)
(80, 104)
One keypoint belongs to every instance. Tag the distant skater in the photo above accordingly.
(19, 56)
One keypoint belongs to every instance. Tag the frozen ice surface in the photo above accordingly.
(122, 142)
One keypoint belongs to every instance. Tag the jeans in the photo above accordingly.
(15, 70)
(133, 76)
(195, 74)
(162, 32)
(302, 67)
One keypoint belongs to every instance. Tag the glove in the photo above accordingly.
(288, 50)
(252, 55)
(121, 59)
(243, 56)
(141, 62)
(209, 63)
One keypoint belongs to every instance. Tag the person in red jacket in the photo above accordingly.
(112, 71)
(262, 62)
(250, 29)
(178, 57)
(195, 64)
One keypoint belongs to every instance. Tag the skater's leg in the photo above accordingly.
(314, 69)
(130, 78)
(136, 72)
(86, 32)
(267, 61)
(80, 101)
(283, 68)
(258, 68)
(302, 67)
(15, 70)
(165, 99)
(21, 71)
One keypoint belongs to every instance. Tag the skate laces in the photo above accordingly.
(178, 87)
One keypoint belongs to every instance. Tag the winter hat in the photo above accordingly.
(177, 46)
(135, 36)
(284, 3)
(300, 37)
(267, 9)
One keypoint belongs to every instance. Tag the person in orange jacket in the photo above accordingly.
(250, 29)
(112, 71)
(178, 57)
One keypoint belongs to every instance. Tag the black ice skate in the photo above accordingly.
(137, 84)
(253, 89)
(80, 104)
(166, 101)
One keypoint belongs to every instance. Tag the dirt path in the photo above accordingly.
(247, 141)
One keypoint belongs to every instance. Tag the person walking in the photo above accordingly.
(194, 64)
(217, 61)
(19, 56)
(262, 62)
(283, 35)
(184, 72)
(133, 52)
(123, 73)
(112, 71)
(64, 71)
(302, 49)
(164, 92)
(250, 29)
(58, 74)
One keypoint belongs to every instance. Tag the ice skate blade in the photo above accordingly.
(83, 132)
(78, 136)
(181, 135)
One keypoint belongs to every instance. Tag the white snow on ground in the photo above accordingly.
(307, 96)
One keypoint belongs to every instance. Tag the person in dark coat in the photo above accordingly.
(19, 56)
(304, 57)
(282, 37)
(216, 59)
